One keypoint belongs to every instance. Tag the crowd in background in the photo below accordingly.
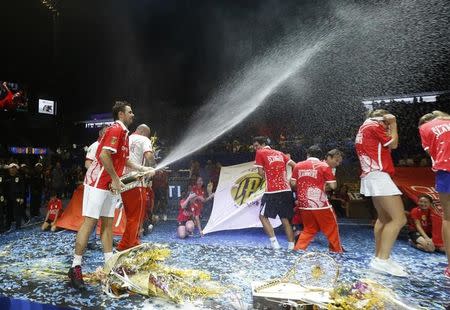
(61, 170)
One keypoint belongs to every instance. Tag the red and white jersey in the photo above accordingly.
(311, 176)
(115, 139)
(184, 214)
(139, 145)
(274, 164)
(424, 216)
(199, 191)
(54, 207)
(372, 146)
(435, 136)
(92, 151)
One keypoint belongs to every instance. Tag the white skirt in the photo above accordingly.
(378, 183)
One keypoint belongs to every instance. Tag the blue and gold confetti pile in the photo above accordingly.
(33, 266)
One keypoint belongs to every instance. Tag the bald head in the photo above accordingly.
(143, 130)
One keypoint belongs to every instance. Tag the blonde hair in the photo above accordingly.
(431, 116)
(377, 113)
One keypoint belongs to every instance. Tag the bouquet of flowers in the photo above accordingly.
(140, 270)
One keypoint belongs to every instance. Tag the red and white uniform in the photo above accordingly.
(372, 146)
(97, 198)
(197, 205)
(54, 207)
(424, 216)
(92, 151)
(139, 146)
(435, 136)
(135, 199)
(316, 213)
(115, 139)
(274, 164)
(311, 176)
(184, 215)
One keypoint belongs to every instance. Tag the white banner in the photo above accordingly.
(237, 199)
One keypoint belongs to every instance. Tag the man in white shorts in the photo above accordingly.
(376, 137)
(101, 181)
(90, 157)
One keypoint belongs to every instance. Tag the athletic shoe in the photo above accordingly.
(447, 272)
(388, 266)
(76, 277)
(275, 245)
(396, 265)
(164, 217)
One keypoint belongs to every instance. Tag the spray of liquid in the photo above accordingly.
(242, 96)
(249, 89)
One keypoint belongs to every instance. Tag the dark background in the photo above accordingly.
(167, 57)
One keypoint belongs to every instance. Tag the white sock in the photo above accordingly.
(273, 239)
(77, 260)
(290, 245)
(108, 256)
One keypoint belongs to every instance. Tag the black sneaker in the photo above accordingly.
(76, 277)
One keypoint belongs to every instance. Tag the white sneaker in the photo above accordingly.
(275, 245)
(397, 265)
(164, 217)
(387, 266)
(150, 228)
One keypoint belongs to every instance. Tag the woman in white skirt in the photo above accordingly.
(376, 137)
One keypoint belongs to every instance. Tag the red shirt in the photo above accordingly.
(424, 216)
(371, 144)
(435, 137)
(274, 164)
(184, 214)
(115, 139)
(7, 101)
(196, 204)
(311, 176)
(54, 207)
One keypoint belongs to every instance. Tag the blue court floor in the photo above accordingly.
(33, 266)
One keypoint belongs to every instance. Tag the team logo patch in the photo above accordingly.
(246, 186)
(113, 140)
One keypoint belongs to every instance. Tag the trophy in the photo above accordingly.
(131, 180)
(308, 283)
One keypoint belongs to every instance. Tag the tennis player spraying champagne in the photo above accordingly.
(102, 179)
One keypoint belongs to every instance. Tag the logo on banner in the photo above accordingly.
(246, 186)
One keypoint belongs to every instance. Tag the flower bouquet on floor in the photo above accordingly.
(140, 270)
(365, 294)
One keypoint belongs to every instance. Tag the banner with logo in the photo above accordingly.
(237, 199)
(414, 181)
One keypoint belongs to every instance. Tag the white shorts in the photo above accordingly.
(97, 202)
(378, 183)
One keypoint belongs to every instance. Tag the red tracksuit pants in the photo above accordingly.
(319, 220)
(134, 203)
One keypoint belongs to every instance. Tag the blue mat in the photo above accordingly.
(33, 266)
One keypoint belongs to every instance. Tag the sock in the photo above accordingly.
(108, 256)
(77, 260)
(290, 245)
(273, 239)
